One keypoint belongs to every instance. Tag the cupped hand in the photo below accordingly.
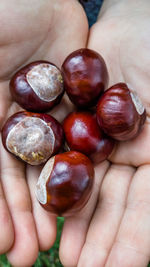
(31, 30)
(114, 228)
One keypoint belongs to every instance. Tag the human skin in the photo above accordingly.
(31, 30)
(114, 228)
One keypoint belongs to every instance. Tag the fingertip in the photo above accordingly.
(66, 261)
(6, 226)
(22, 261)
(71, 242)
(46, 235)
(24, 252)
(6, 237)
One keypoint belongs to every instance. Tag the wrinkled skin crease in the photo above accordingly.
(114, 228)
(31, 31)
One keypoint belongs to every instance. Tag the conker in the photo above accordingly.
(84, 134)
(85, 77)
(120, 112)
(32, 137)
(65, 183)
(38, 86)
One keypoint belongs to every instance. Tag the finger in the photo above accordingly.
(6, 225)
(132, 244)
(25, 248)
(67, 37)
(44, 221)
(75, 227)
(5, 101)
(135, 152)
(107, 217)
(99, 40)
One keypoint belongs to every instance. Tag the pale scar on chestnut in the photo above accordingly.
(32, 140)
(137, 103)
(46, 81)
(41, 193)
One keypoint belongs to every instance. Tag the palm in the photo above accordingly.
(117, 233)
(127, 55)
(31, 31)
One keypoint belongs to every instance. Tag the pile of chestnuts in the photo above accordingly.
(86, 136)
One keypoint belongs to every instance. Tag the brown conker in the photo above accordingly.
(38, 86)
(85, 77)
(83, 134)
(65, 183)
(120, 112)
(32, 137)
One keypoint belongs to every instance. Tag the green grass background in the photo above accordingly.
(49, 258)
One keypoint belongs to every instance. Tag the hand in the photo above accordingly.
(114, 229)
(31, 30)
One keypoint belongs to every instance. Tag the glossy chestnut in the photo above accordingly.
(85, 77)
(84, 134)
(65, 183)
(120, 113)
(37, 86)
(32, 137)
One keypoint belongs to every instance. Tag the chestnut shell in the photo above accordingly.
(84, 134)
(85, 77)
(48, 119)
(120, 113)
(69, 181)
(23, 93)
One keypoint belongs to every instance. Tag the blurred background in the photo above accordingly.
(91, 8)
